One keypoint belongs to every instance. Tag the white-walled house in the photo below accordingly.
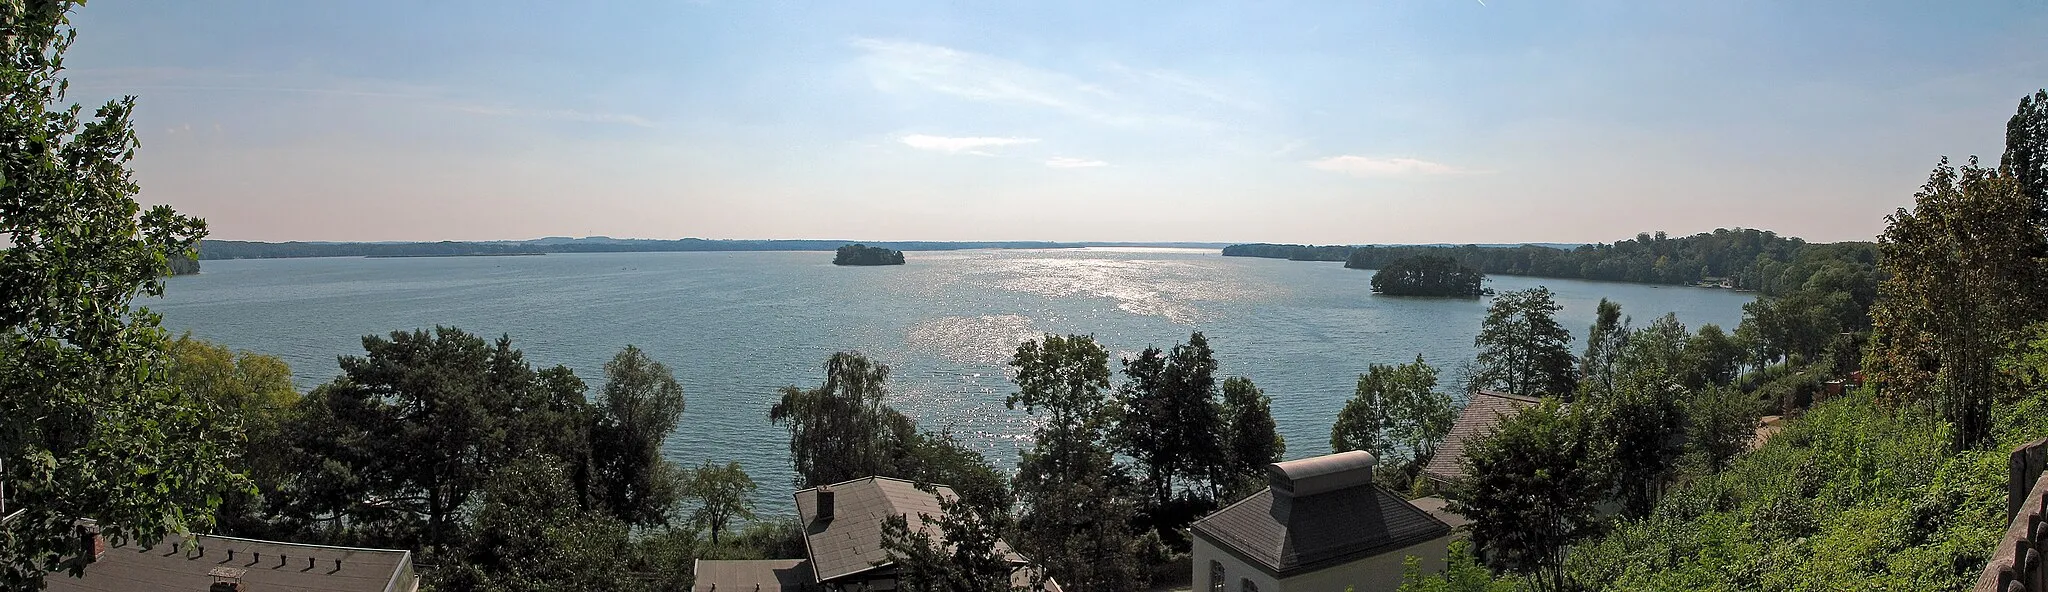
(1320, 525)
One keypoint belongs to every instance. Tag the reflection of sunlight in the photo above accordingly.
(972, 340)
(1167, 288)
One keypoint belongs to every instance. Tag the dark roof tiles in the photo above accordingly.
(1288, 535)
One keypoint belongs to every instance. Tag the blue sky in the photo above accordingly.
(1343, 122)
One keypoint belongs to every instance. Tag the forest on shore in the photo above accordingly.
(1751, 259)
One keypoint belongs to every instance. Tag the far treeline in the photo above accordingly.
(1751, 259)
(226, 249)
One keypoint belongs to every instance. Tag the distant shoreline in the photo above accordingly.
(210, 250)
(454, 255)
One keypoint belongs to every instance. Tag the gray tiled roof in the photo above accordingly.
(280, 566)
(1481, 415)
(851, 542)
(1287, 536)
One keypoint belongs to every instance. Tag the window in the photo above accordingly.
(1246, 585)
(1216, 578)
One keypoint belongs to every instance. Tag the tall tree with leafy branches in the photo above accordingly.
(1936, 334)
(1522, 349)
(1533, 490)
(1397, 413)
(639, 407)
(91, 425)
(1076, 513)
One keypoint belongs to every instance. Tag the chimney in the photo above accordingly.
(90, 545)
(824, 504)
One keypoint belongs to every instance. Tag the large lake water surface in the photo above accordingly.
(735, 327)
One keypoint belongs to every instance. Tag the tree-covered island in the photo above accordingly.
(1428, 275)
(859, 254)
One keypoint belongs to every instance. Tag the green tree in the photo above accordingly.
(1254, 440)
(1533, 489)
(528, 537)
(1522, 350)
(1644, 420)
(1721, 422)
(1937, 335)
(94, 428)
(639, 407)
(1428, 275)
(399, 445)
(721, 493)
(840, 430)
(1169, 418)
(1604, 341)
(960, 550)
(1711, 357)
(1462, 573)
(2026, 152)
(257, 390)
(1075, 519)
(1397, 413)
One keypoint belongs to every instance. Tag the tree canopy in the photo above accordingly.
(95, 427)
(1522, 349)
(859, 254)
(1428, 275)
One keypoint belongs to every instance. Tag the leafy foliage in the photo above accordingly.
(1254, 440)
(839, 431)
(1396, 413)
(859, 254)
(1428, 275)
(1169, 419)
(958, 551)
(1076, 516)
(722, 493)
(1522, 350)
(1533, 488)
(400, 444)
(1970, 234)
(94, 426)
(639, 407)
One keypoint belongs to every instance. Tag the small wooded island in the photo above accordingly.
(859, 254)
(1428, 275)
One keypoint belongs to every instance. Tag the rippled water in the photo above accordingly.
(737, 326)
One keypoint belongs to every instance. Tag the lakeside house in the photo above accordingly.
(1481, 416)
(1320, 524)
(842, 525)
(192, 563)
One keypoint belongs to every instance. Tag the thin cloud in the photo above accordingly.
(1062, 162)
(957, 145)
(903, 67)
(1367, 166)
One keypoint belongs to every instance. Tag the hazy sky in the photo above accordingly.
(1343, 122)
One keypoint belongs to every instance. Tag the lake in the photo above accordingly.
(736, 326)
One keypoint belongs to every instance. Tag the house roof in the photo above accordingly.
(1482, 414)
(764, 575)
(1288, 535)
(851, 541)
(264, 565)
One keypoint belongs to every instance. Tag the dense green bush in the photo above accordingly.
(1855, 495)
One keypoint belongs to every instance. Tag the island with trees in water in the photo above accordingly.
(1428, 275)
(859, 254)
